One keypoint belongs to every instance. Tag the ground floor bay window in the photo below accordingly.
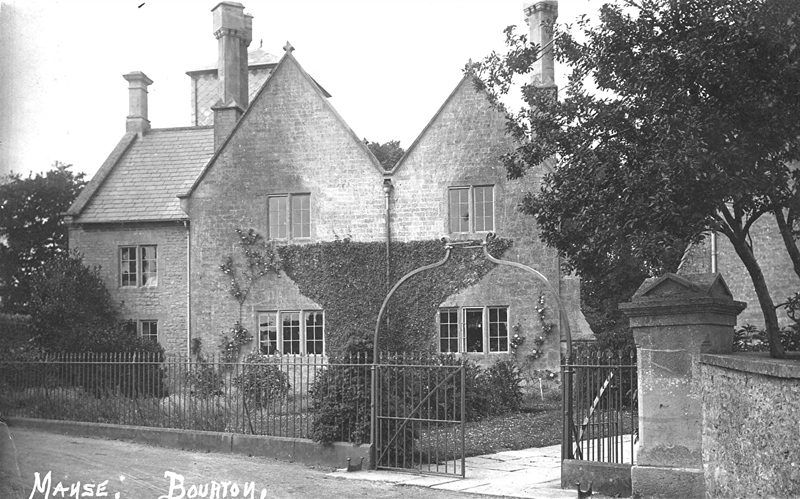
(298, 332)
(473, 329)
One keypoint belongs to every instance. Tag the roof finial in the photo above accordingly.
(288, 47)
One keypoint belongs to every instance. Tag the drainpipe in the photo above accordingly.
(387, 192)
(713, 252)
(188, 290)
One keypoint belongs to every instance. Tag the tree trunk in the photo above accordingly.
(788, 239)
(762, 292)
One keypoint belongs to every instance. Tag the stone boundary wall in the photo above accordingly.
(751, 421)
(283, 448)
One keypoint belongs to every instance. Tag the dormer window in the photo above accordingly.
(289, 216)
(471, 208)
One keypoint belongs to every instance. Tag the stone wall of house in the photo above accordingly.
(775, 264)
(751, 409)
(290, 141)
(165, 302)
(462, 146)
(772, 258)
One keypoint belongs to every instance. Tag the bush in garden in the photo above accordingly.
(340, 398)
(72, 313)
(750, 338)
(205, 380)
(260, 380)
(504, 387)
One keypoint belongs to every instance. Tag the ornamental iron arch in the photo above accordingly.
(448, 247)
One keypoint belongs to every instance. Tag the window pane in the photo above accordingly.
(149, 265)
(498, 329)
(291, 332)
(473, 324)
(277, 217)
(149, 330)
(484, 208)
(127, 261)
(314, 333)
(301, 215)
(459, 210)
(448, 331)
(267, 333)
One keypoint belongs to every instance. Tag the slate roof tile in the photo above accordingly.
(144, 183)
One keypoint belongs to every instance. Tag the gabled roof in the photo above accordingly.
(465, 78)
(141, 183)
(286, 59)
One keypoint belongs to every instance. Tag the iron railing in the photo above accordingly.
(601, 419)
(273, 396)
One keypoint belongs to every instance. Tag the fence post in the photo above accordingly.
(675, 319)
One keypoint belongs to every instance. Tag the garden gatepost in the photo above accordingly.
(675, 319)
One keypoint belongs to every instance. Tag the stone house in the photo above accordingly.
(267, 151)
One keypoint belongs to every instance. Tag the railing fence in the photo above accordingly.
(601, 413)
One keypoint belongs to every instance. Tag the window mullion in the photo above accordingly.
(303, 326)
(487, 348)
(288, 216)
(471, 208)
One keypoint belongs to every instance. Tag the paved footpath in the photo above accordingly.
(528, 473)
(125, 470)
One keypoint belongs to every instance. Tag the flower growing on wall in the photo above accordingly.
(547, 327)
(517, 339)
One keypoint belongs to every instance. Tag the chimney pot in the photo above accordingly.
(137, 102)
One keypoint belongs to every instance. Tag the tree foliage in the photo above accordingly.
(72, 311)
(31, 229)
(680, 117)
(388, 153)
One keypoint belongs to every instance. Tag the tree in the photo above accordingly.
(680, 117)
(388, 153)
(72, 311)
(31, 229)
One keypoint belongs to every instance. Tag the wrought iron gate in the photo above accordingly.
(600, 406)
(420, 416)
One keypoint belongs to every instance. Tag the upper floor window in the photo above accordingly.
(291, 332)
(289, 216)
(471, 208)
(138, 266)
(481, 329)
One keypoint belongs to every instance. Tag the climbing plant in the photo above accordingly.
(260, 258)
(348, 280)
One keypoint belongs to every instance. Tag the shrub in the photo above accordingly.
(70, 306)
(204, 380)
(261, 380)
(504, 386)
(340, 398)
(749, 338)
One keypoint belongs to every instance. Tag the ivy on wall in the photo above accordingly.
(348, 280)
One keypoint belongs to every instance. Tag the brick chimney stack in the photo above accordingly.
(234, 30)
(137, 102)
(541, 18)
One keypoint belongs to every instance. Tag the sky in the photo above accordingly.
(389, 65)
